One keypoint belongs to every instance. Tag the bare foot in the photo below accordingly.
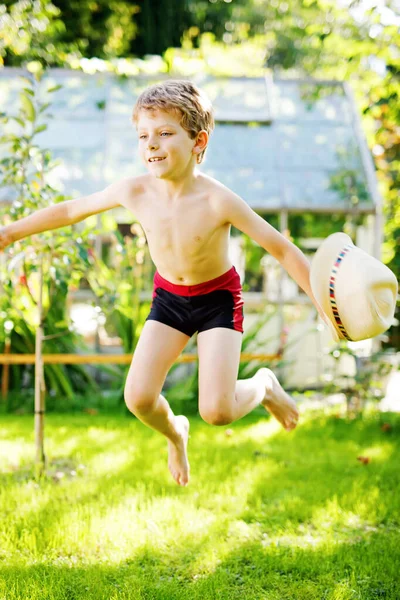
(277, 401)
(177, 453)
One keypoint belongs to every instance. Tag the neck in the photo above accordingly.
(173, 189)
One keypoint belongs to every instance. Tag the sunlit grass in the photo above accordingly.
(267, 515)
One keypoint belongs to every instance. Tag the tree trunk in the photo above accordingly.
(40, 461)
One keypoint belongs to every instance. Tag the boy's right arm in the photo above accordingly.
(66, 213)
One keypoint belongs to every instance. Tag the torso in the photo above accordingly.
(188, 241)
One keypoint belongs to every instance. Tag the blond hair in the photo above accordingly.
(184, 98)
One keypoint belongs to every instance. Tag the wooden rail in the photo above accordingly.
(80, 359)
(121, 359)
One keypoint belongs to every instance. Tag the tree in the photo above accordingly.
(25, 171)
(31, 31)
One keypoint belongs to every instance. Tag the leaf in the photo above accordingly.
(28, 107)
(19, 121)
(386, 427)
(91, 411)
(40, 128)
(54, 88)
(44, 107)
(26, 80)
(83, 254)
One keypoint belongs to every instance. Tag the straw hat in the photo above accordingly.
(356, 291)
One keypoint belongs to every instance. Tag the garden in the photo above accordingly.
(89, 509)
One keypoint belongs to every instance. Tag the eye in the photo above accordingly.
(166, 133)
(142, 137)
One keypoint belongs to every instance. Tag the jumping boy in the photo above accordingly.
(186, 217)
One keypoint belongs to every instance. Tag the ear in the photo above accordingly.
(200, 142)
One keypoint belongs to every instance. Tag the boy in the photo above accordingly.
(186, 217)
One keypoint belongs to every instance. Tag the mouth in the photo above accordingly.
(156, 159)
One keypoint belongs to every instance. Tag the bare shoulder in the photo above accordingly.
(222, 199)
(129, 189)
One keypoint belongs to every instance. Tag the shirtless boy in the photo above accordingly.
(187, 218)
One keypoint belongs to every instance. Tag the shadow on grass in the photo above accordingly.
(292, 478)
(360, 570)
(143, 476)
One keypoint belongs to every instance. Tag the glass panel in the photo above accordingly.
(238, 99)
(315, 145)
(80, 173)
(244, 159)
(10, 88)
(315, 189)
(122, 158)
(80, 96)
(292, 100)
(235, 146)
(72, 133)
(124, 92)
(307, 157)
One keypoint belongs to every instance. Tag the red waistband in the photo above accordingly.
(228, 280)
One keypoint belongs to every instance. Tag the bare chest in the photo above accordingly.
(182, 229)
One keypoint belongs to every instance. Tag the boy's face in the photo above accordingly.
(165, 147)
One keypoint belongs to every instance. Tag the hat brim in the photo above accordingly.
(320, 273)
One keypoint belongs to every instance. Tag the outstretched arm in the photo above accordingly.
(65, 213)
(237, 212)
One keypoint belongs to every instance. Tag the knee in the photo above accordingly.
(139, 402)
(215, 416)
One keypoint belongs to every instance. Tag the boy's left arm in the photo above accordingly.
(240, 215)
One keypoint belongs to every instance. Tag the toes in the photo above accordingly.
(291, 423)
(184, 480)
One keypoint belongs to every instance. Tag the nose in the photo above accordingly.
(152, 145)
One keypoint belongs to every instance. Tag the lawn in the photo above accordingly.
(267, 514)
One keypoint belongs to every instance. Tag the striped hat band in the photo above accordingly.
(332, 283)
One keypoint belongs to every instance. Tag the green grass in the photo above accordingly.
(267, 515)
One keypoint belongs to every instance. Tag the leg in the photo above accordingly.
(158, 348)
(223, 399)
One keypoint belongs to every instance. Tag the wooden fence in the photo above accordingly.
(8, 359)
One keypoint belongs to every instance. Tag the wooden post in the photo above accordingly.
(40, 461)
(6, 371)
(284, 229)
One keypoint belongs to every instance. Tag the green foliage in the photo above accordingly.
(103, 28)
(30, 32)
(366, 384)
(253, 255)
(25, 172)
(118, 287)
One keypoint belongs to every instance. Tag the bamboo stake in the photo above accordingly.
(6, 371)
(40, 461)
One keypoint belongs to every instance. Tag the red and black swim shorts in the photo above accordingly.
(197, 308)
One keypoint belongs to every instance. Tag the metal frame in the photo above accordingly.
(369, 170)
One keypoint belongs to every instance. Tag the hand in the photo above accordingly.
(324, 317)
(330, 325)
(5, 238)
(326, 320)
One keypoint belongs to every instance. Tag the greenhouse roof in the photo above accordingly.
(280, 144)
